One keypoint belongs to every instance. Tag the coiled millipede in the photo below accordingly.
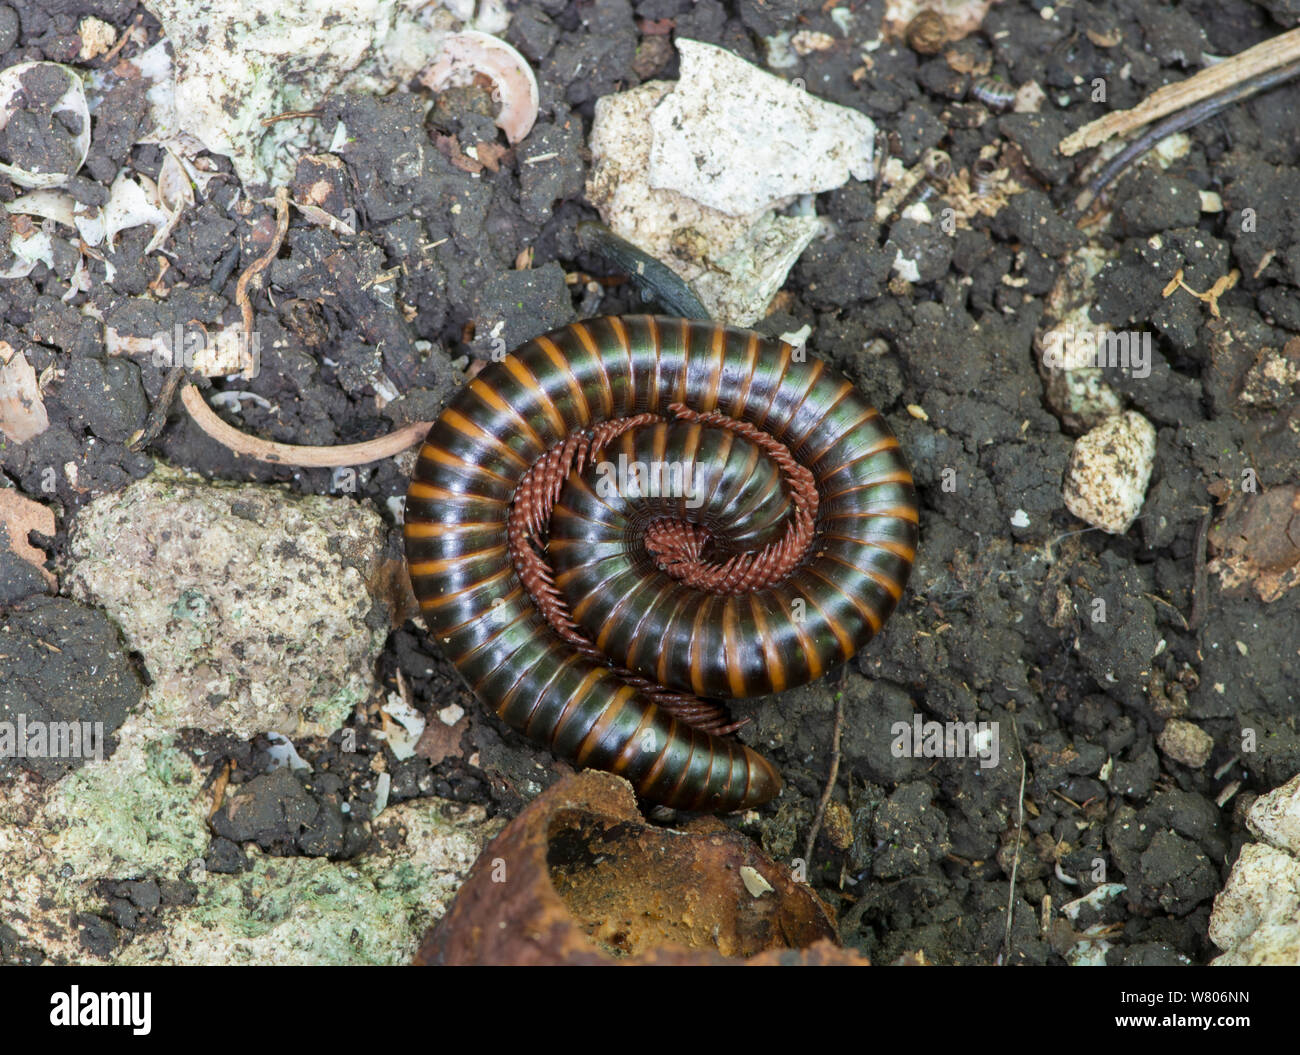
(629, 519)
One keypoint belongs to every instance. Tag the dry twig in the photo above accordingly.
(1020, 833)
(157, 418)
(108, 56)
(834, 773)
(292, 454)
(1277, 51)
(1199, 583)
(290, 115)
(219, 788)
(1210, 296)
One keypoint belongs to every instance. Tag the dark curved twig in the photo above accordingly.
(1179, 122)
(651, 277)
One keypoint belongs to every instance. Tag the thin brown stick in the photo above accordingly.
(1199, 584)
(262, 262)
(107, 58)
(1020, 834)
(290, 115)
(157, 418)
(1267, 55)
(219, 788)
(1188, 117)
(292, 454)
(832, 776)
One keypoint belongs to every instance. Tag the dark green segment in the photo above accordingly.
(652, 278)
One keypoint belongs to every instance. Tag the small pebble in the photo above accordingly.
(754, 881)
(1185, 742)
(1275, 817)
(838, 825)
(1110, 466)
(927, 33)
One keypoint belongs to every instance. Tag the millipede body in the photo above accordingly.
(629, 520)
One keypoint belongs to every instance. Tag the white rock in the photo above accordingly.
(729, 145)
(1275, 817)
(1029, 98)
(1076, 389)
(22, 407)
(1273, 945)
(1256, 917)
(780, 55)
(372, 909)
(1094, 899)
(232, 70)
(1110, 466)
(740, 140)
(97, 37)
(907, 270)
(734, 263)
(250, 607)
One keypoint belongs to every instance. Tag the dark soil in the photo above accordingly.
(1000, 621)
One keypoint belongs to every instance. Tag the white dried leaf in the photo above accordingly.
(62, 208)
(80, 281)
(125, 344)
(131, 205)
(283, 753)
(403, 732)
(172, 194)
(175, 191)
(22, 409)
(47, 204)
(35, 247)
(317, 215)
(90, 223)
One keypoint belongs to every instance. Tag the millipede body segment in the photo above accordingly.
(630, 519)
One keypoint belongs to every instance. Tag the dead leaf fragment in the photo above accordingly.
(440, 741)
(97, 37)
(1258, 543)
(21, 515)
(22, 410)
